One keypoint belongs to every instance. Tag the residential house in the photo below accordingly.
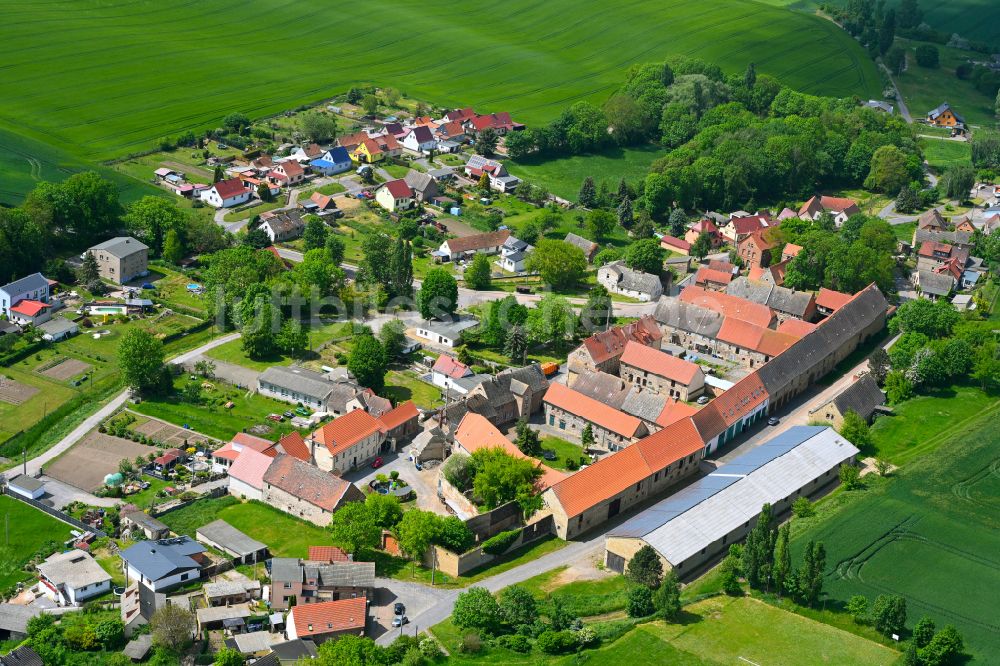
(712, 279)
(451, 131)
(136, 520)
(388, 145)
(460, 115)
(347, 442)
(705, 226)
(224, 457)
(750, 345)
(465, 247)
(121, 259)
(395, 195)
(400, 423)
(164, 564)
(368, 151)
(501, 123)
(603, 349)
(246, 475)
(58, 329)
(419, 140)
(288, 173)
(281, 226)
(72, 577)
(445, 333)
(829, 301)
(326, 620)
(879, 105)
(306, 153)
(297, 582)
(840, 208)
(742, 224)
(423, 185)
(962, 239)
(863, 397)
(785, 303)
(945, 116)
(225, 538)
(449, 373)
(933, 284)
(932, 220)
(510, 395)
(657, 372)
(589, 247)
(300, 489)
(333, 161)
(755, 250)
(933, 255)
(366, 400)
(34, 288)
(513, 255)
(350, 142)
(475, 432)
(569, 412)
(618, 482)
(226, 194)
(620, 279)
(313, 389)
(495, 171)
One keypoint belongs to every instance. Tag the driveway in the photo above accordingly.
(237, 375)
(423, 482)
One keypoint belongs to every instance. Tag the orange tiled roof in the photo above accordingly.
(659, 363)
(711, 275)
(727, 305)
(346, 431)
(398, 416)
(756, 338)
(294, 445)
(592, 410)
(674, 411)
(832, 300)
(327, 617)
(796, 327)
(327, 554)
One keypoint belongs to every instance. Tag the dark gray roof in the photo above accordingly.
(500, 389)
(286, 222)
(782, 299)
(229, 538)
(634, 280)
(57, 326)
(941, 109)
(588, 246)
(309, 383)
(860, 312)
(158, 559)
(15, 618)
(674, 313)
(862, 397)
(31, 282)
(449, 329)
(294, 649)
(121, 246)
(421, 182)
(343, 574)
(139, 648)
(954, 237)
(22, 656)
(286, 570)
(602, 387)
(26, 483)
(145, 520)
(644, 405)
(935, 284)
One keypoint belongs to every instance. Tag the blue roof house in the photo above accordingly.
(166, 563)
(335, 160)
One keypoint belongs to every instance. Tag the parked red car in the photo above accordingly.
(377, 463)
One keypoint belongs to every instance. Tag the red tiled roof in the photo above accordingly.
(930, 248)
(831, 300)
(478, 241)
(327, 554)
(757, 237)
(346, 431)
(613, 474)
(398, 416)
(399, 189)
(295, 445)
(291, 168)
(29, 308)
(791, 250)
(674, 411)
(704, 226)
(750, 224)
(387, 142)
(604, 345)
(326, 617)
(592, 410)
(756, 338)
(659, 363)
(796, 327)
(672, 241)
(355, 139)
(306, 482)
(451, 367)
(705, 275)
(228, 189)
(731, 406)
(371, 145)
(728, 305)
(720, 265)
(475, 432)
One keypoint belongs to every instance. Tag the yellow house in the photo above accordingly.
(368, 152)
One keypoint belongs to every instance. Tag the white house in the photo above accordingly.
(226, 194)
(283, 226)
(246, 474)
(464, 247)
(34, 288)
(306, 153)
(499, 179)
(336, 160)
(455, 376)
(288, 172)
(26, 486)
(73, 577)
(513, 254)
(444, 333)
(419, 140)
(620, 279)
(164, 564)
(395, 195)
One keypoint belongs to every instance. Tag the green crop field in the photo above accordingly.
(86, 76)
(28, 531)
(930, 534)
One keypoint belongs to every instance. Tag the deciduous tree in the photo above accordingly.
(478, 275)
(559, 264)
(368, 363)
(173, 627)
(438, 296)
(140, 359)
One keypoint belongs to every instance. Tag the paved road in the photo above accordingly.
(900, 102)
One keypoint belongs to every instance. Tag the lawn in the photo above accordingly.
(396, 170)
(27, 531)
(232, 351)
(210, 417)
(110, 96)
(565, 451)
(563, 176)
(929, 532)
(285, 536)
(51, 394)
(943, 153)
(329, 188)
(401, 386)
(583, 598)
(921, 424)
(171, 289)
(244, 213)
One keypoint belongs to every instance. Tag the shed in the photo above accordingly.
(26, 486)
(138, 649)
(221, 535)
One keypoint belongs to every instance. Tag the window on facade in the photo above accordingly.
(287, 586)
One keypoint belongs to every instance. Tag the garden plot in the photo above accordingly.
(14, 392)
(66, 369)
(87, 462)
(169, 434)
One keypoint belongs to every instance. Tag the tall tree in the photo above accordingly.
(151, 218)
(173, 248)
(140, 359)
(368, 363)
(678, 222)
(667, 598)
(401, 270)
(560, 264)
(702, 245)
(527, 439)
(314, 236)
(645, 255)
(354, 528)
(587, 196)
(626, 216)
(645, 567)
(782, 560)
(516, 343)
(259, 323)
(438, 296)
(486, 142)
(376, 266)
(392, 335)
(750, 76)
(596, 313)
(478, 274)
(601, 223)
(173, 627)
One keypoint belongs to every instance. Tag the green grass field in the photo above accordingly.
(29, 531)
(401, 386)
(564, 451)
(563, 176)
(929, 533)
(284, 535)
(82, 76)
(942, 153)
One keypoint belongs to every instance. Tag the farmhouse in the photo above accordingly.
(296, 582)
(589, 247)
(72, 577)
(283, 225)
(620, 279)
(654, 371)
(463, 247)
(325, 620)
(121, 259)
(675, 245)
(347, 442)
(838, 207)
(729, 306)
(224, 537)
(570, 411)
(399, 423)
(299, 489)
(395, 195)
(602, 350)
(445, 333)
(741, 224)
(34, 288)
(511, 394)
(226, 455)
(164, 564)
(701, 521)
(945, 116)
(704, 226)
(226, 194)
(755, 250)
(617, 482)
(786, 303)
(14, 621)
(863, 397)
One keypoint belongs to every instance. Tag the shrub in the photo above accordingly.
(498, 545)
(927, 56)
(803, 508)
(639, 602)
(514, 642)
(471, 644)
(556, 642)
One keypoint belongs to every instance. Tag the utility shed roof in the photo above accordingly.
(683, 524)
